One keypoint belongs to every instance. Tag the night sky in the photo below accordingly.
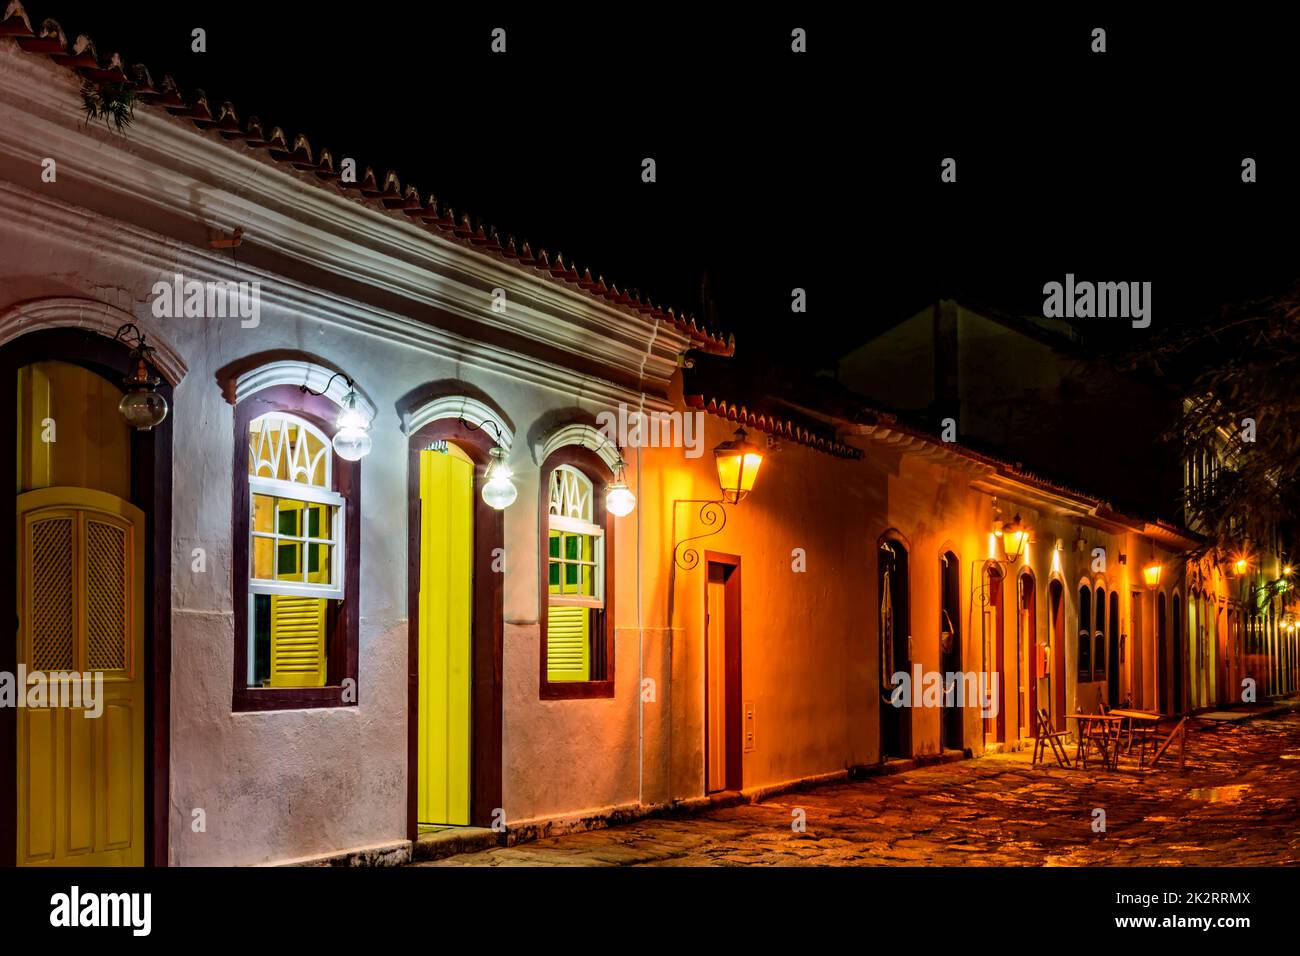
(774, 170)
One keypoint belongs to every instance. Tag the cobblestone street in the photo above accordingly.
(1237, 804)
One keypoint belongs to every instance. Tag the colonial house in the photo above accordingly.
(374, 525)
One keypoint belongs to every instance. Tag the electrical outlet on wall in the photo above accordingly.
(749, 726)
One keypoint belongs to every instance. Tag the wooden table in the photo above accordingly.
(1148, 717)
(1109, 754)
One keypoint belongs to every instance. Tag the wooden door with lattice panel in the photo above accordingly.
(81, 612)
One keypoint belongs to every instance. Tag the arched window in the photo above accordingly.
(296, 566)
(576, 620)
(1099, 636)
(1085, 635)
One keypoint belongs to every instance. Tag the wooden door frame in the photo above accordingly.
(151, 492)
(997, 621)
(486, 632)
(1028, 646)
(734, 718)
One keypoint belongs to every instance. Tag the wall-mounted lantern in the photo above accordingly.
(352, 440)
(619, 500)
(738, 462)
(141, 406)
(1014, 538)
(1240, 566)
(352, 428)
(499, 490)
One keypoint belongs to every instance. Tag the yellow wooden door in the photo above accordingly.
(81, 610)
(446, 598)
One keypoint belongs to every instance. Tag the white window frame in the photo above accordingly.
(297, 491)
(570, 525)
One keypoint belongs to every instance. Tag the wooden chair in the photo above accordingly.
(1180, 731)
(1049, 737)
(1105, 734)
(1147, 734)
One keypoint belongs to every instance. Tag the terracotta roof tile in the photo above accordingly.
(776, 425)
(50, 40)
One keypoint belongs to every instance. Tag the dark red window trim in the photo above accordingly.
(321, 412)
(602, 649)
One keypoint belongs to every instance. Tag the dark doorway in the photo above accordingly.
(1113, 661)
(1056, 636)
(1085, 644)
(894, 634)
(723, 717)
(1099, 662)
(1180, 700)
(1162, 655)
(950, 725)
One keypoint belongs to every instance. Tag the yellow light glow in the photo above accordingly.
(1151, 575)
(738, 462)
(1240, 566)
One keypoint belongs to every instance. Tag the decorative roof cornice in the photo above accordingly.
(389, 197)
(774, 425)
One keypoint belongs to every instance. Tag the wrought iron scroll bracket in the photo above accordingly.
(711, 514)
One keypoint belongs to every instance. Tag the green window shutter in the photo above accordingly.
(568, 644)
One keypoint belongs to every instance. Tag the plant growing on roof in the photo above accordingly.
(114, 103)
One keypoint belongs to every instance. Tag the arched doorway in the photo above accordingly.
(91, 595)
(1056, 637)
(993, 627)
(1162, 655)
(1099, 661)
(455, 634)
(1177, 651)
(894, 632)
(1112, 657)
(1027, 669)
(950, 726)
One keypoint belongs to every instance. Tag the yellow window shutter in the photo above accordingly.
(568, 643)
(297, 641)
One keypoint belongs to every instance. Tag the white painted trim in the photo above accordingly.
(578, 434)
(126, 246)
(71, 312)
(298, 372)
(165, 163)
(458, 406)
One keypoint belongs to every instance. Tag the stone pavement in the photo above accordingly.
(1237, 804)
